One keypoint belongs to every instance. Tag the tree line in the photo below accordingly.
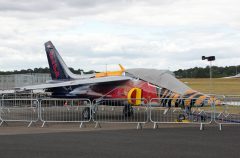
(196, 72)
(199, 72)
(42, 70)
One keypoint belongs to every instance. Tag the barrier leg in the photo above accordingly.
(82, 125)
(139, 126)
(30, 124)
(201, 127)
(155, 125)
(220, 127)
(43, 124)
(3, 122)
(97, 125)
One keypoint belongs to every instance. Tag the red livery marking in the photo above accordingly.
(54, 64)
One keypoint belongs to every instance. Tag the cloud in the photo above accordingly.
(92, 33)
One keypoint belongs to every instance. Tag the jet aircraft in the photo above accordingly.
(130, 84)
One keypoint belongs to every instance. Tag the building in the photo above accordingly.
(9, 82)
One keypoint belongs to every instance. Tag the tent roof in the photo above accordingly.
(161, 78)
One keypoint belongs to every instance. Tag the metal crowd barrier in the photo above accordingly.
(221, 110)
(120, 111)
(19, 110)
(24, 95)
(65, 110)
(227, 111)
(1, 109)
(181, 110)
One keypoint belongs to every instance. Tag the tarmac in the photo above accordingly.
(108, 142)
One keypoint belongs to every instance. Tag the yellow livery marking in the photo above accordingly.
(165, 93)
(192, 96)
(200, 100)
(175, 97)
(171, 98)
(189, 95)
(135, 100)
(111, 73)
(187, 102)
(189, 91)
(183, 121)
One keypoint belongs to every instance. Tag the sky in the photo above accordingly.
(90, 34)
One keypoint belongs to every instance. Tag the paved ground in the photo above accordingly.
(163, 142)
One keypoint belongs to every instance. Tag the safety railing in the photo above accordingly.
(218, 109)
(1, 108)
(181, 110)
(120, 111)
(18, 95)
(65, 110)
(227, 110)
(19, 110)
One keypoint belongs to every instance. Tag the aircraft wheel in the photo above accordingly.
(128, 111)
(86, 113)
(181, 117)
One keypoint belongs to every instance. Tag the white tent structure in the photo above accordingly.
(161, 78)
(236, 76)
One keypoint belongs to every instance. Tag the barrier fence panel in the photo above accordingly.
(18, 96)
(227, 110)
(1, 109)
(19, 110)
(65, 110)
(220, 109)
(233, 100)
(24, 95)
(120, 111)
(181, 110)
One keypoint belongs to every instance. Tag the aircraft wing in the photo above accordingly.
(76, 82)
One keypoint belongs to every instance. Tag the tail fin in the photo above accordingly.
(58, 68)
(121, 67)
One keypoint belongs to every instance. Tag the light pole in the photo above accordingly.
(210, 59)
(236, 70)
